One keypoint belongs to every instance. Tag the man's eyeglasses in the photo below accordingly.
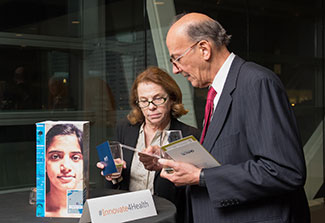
(155, 101)
(175, 62)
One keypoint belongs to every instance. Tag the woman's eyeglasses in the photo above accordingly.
(156, 101)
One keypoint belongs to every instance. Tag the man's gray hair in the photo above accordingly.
(207, 30)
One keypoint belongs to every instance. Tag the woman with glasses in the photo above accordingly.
(156, 102)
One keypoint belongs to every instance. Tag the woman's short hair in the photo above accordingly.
(162, 78)
(63, 129)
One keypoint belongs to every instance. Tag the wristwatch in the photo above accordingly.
(202, 179)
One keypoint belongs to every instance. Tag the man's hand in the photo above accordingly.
(150, 162)
(183, 174)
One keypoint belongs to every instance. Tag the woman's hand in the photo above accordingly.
(150, 162)
(112, 176)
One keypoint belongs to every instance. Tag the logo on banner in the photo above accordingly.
(124, 208)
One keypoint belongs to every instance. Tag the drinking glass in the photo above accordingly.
(32, 196)
(168, 136)
(117, 155)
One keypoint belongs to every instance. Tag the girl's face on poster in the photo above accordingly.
(64, 162)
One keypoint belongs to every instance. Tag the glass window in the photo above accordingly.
(77, 60)
(65, 60)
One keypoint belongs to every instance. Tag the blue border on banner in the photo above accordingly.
(40, 170)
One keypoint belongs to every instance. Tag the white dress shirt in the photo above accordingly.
(140, 178)
(220, 79)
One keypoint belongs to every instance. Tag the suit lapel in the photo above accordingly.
(132, 135)
(224, 104)
(131, 139)
(175, 124)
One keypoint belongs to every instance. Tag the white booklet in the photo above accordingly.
(189, 150)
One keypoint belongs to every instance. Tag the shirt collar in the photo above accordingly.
(142, 128)
(220, 78)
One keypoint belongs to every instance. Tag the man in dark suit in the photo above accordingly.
(252, 133)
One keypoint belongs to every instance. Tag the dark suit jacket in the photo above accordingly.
(128, 134)
(253, 134)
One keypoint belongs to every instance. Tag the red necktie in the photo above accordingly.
(208, 111)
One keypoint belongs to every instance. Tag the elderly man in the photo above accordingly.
(249, 128)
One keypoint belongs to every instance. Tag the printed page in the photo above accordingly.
(189, 150)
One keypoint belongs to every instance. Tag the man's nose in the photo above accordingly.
(176, 69)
